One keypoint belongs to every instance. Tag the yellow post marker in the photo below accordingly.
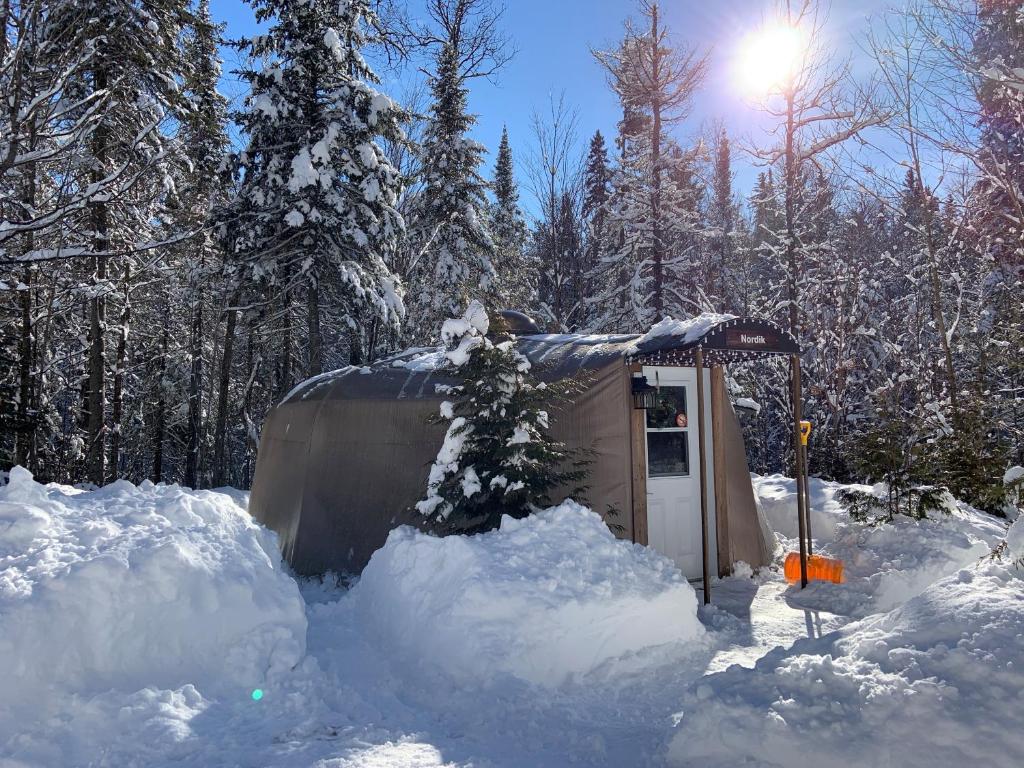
(805, 432)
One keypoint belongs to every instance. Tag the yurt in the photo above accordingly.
(344, 457)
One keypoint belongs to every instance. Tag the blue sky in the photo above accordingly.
(554, 39)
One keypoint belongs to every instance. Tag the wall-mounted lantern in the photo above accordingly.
(644, 395)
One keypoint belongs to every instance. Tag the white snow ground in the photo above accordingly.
(135, 623)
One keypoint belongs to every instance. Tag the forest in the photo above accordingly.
(170, 267)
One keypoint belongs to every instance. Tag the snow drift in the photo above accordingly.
(544, 599)
(935, 682)
(885, 564)
(128, 588)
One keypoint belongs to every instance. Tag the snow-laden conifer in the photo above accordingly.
(498, 456)
(316, 203)
(454, 248)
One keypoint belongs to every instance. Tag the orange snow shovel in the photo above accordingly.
(814, 566)
(818, 567)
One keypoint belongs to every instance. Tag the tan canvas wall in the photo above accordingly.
(598, 419)
(335, 475)
(368, 465)
(280, 477)
(740, 533)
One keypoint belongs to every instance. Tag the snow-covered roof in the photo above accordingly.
(414, 372)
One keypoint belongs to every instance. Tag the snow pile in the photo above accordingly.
(130, 587)
(543, 599)
(686, 331)
(936, 682)
(885, 564)
(777, 495)
(1015, 540)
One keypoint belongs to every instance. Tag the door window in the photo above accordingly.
(668, 434)
(671, 405)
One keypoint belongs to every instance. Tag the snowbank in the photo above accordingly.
(777, 495)
(936, 682)
(885, 564)
(543, 599)
(128, 588)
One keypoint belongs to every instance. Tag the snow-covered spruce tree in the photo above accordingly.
(597, 180)
(315, 210)
(997, 62)
(726, 261)
(498, 457)
(454, 247)
(515, 266)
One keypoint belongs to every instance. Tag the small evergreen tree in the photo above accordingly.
(498, 456)
(517, 270)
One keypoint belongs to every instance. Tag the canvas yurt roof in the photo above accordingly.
(414, 373)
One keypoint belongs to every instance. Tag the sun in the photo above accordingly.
(769, 58)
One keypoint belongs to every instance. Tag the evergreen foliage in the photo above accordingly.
(515, 267)
(316, 204)
(453, 245)
(155, 301)
(498, 456)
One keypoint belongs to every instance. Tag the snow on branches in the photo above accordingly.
(498, 456)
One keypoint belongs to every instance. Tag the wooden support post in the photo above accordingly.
(799, 469)
(807, 501)
(702, 452)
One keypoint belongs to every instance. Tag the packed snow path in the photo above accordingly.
(136, 623)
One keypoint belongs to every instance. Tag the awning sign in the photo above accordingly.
(738, 338)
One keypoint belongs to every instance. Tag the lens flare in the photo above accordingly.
(257, 694)
(769, 58)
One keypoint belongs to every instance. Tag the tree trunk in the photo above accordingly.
(25, 448)
(657, 247)
(160, 419)
(195, 389)
(117, 403)
(220, 432)
(25, 429)
(791, 259)
(284, 383)
(316, 363)
(96, 426)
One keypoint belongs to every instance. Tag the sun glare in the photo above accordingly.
(769, 58)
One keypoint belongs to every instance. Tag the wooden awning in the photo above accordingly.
(730, 341)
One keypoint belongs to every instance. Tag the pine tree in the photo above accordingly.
(316, 207)
(455, 249)
(128, 88)
(558, 242)
(516, 270)
(597, 191)
(999, 57)
(498, 456)
(722, 216)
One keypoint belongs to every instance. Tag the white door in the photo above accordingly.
(673, 470)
